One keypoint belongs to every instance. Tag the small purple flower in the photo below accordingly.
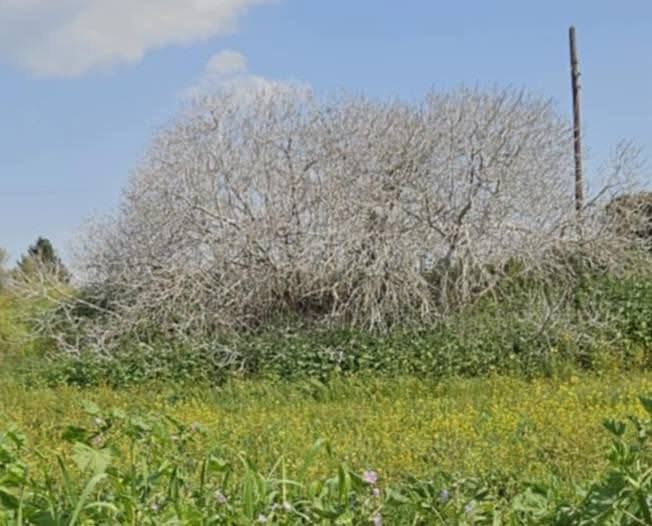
(377, 520)
(370, 477)
(444, 495)
(376, 492)
(468, 509)
(219, 497)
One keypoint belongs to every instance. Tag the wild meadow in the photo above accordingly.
(164, 440)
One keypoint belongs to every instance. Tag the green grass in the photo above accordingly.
(497, 450)
(397, 427)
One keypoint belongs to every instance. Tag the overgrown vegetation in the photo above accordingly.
(633, 215)
(348, 213)
(354, 452)
(612, 331)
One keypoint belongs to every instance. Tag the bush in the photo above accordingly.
(349, 212)
(13, 329)
(631, 215)
(610, 329)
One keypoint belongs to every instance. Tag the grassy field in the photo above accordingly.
(497, 450)
(499, 425)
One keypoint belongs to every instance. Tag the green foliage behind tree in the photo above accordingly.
(41, 257)
(4, 272)
(632, 214)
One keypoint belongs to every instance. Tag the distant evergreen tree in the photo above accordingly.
(41, 257)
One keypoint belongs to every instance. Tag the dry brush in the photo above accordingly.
(347, 211)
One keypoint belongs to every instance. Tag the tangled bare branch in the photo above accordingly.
(348, 211)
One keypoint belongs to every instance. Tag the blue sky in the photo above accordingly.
(86, 83)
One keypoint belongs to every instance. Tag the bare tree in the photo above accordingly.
(347, 211)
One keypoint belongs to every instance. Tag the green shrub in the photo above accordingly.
(13, 330)
(614, 332)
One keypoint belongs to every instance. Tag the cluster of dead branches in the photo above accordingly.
(348, 211)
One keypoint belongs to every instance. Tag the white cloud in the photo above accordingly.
(227, 63)
(70, 37)
(228, 71)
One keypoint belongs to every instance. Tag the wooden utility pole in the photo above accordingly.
(577, 123)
